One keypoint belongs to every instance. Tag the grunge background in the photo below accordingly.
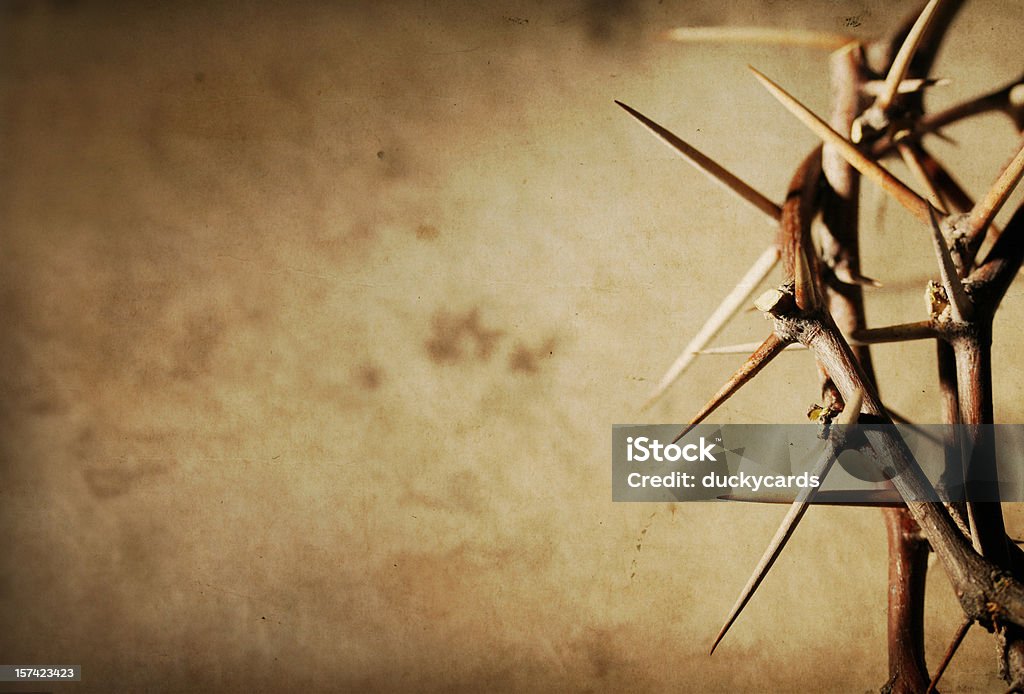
(317, 316)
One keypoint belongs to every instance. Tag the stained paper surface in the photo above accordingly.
(317, 318)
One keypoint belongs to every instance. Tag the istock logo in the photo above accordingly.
(642, 449)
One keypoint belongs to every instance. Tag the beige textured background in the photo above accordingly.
(317, 316)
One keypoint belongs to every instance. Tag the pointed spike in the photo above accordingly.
(901, 63)
(917, 205)
(921, 330)
(760, 35)
(977, 242)
(846, 276)
(865, 281)
(988, 207)
(768, 350)
(707, 165)
(917, 167)
(958, 638)
(1000, 99)
(949, 187)
(778, 542)
(745, 348)
(721, 315)
(806, 292)
(959, 303)
(908, 86)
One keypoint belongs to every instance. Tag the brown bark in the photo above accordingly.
(908, 569)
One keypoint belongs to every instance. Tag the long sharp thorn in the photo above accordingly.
(876, 88)
(959, 303)
(988, 207)
(745, 348)
(997, 100)
(721, 315)
(958, 638)
(710, 167)
(782, 535)
(921, 330)
(916, 166)
(762, 35)
(978, 241)
(901, 63)
(844, 275)
(917, 205)
(934, 171)
(805, 290)
(768, 350)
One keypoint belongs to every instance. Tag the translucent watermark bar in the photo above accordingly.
(776, 463)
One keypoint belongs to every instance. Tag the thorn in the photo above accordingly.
(901, 63)
(877, 87)
(917, 205)
(710, 167)
(961, 632)
(807, 298)
(782, 535)
(864, 281)
(746, 348)
(767, 351)
(846, 276)
(959, 303)
(1001, 99)
(761, 35)
(988, 207)
(950, 189)
(721, 315)
(917, 167)
(903, 332)
(976, 244)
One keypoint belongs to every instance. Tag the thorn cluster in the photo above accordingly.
(818, 306)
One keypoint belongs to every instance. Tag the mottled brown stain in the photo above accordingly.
(120, 477)
(525, 360)
(598, 648)
(369, 376)
(427, 232)
(522, 359)
(608, 20)
(203, 332)
(454, 334)
(360, 235)
(42, 405)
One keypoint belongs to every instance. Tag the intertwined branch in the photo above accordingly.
(878, 112)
